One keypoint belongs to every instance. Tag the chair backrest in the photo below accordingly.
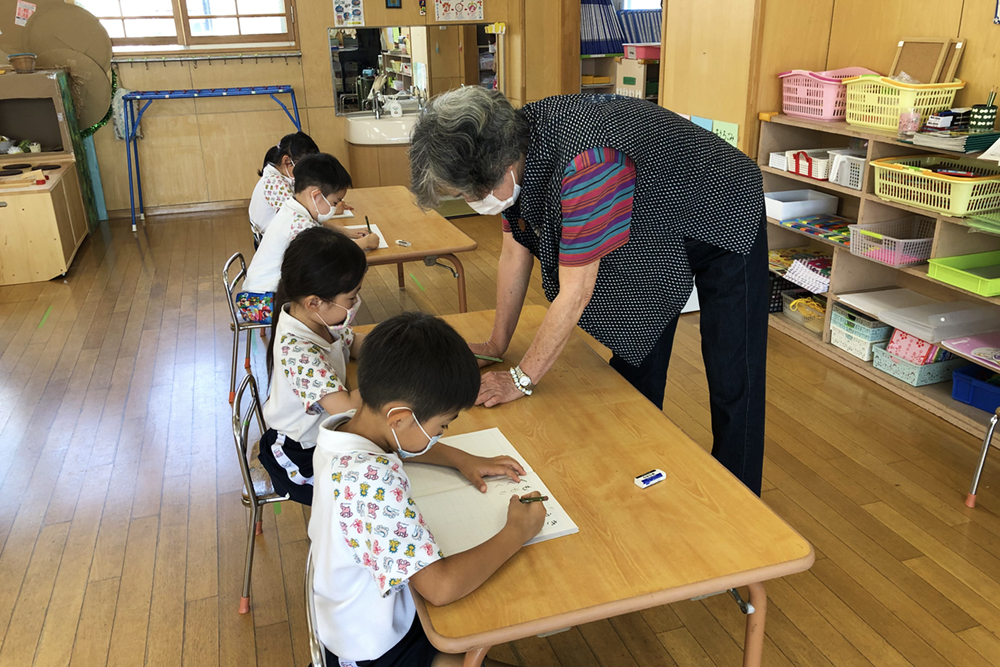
(316, 648)
(241, 429)
(230, 285)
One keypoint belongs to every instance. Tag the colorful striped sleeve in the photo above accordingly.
(597, 190)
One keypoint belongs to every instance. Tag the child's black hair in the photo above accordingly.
(318, 262)
(295, 145)
(420, 360)
(322, 171)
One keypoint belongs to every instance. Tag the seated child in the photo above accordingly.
(415, 375)
(320, 184)
(276, 183)
(311, 340)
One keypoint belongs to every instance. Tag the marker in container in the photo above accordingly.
(648, 479)
(536, 499)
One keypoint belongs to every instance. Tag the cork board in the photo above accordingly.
(950, 67)
(921, 58)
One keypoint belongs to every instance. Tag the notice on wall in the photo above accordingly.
(24, 12)
(728, 131)
(458, 10)
(348, 13)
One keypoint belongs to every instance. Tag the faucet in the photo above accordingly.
(376, 95)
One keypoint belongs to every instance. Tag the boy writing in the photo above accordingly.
(369, 540)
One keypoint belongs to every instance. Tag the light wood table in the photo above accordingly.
(431, 236)
(588, 433)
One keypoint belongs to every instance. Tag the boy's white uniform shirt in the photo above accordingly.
(368, 539)
(269, 194)
(306, 368)
(265, 267)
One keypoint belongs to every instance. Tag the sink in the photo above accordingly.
(370, 131)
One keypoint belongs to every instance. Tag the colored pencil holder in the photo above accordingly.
(983, 118)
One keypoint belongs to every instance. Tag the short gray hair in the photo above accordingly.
(465, 141)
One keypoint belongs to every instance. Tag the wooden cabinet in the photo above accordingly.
(375, 166)
(41, 227)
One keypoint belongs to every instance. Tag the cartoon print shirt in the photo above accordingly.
(269, 194)
(368, 538)
(265, 267)
(306, 368)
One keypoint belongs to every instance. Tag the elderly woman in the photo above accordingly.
(624, 204)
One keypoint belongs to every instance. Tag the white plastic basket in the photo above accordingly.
(813, 163)
(778, 161)
(847, 169)
(895, 243)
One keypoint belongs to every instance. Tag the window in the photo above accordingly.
(193, 22)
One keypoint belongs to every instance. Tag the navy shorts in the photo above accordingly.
(413, 650)
(301, 457)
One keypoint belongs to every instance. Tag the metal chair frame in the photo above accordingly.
(970, 500)
(238, 324)
(256, 493)
(316, 648)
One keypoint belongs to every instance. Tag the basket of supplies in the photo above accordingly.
(877, 101)
(924, 181)
(894, 243)
(816, 95)
(23, 63)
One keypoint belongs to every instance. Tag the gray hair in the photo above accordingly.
(465, 141)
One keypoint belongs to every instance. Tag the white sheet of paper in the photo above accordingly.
(993, 152)
(460, 516)
(381, 237)
(346, 214)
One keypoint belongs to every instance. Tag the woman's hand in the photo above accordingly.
(474, 468)
(497, 388)
(487, 349)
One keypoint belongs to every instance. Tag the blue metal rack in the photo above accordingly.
(132, 119)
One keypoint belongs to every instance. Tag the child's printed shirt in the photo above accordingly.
(269, 194)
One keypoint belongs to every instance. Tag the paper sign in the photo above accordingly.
(728, 131)
(702, 122)
(23, 12)
(348, 13)
(685, 116)
(458, 10)
(991, 153)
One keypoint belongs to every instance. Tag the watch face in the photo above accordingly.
(524, 381)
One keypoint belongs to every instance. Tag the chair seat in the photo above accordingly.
(262, 486)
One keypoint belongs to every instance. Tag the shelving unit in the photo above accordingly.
(852, 273)
(599, 65)
(638, 78)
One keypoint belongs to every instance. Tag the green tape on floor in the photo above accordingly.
(418, 283)
(46, 316)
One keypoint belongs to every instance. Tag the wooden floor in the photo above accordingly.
(122, 530)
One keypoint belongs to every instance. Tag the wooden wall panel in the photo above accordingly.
(865, 32)
(328, 131)
(173, 170)
(551, 46)
(980, 66)
(164, 76)
(262, 72)
(315, 18)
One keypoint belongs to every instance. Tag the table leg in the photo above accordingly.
(753, 648)
(399, 274)
(475, 657)
(463, 306)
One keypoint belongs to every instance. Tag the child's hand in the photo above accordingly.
(474, 468)
(341, 207)
(526, 518)
(372, 241)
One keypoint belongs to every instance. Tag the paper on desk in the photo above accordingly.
(991, 153)
(460, 515)
(381, 237)
(346, 214)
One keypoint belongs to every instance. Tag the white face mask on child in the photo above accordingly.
(323, 217)
(403, 454)
(352, 312)
(490, 205)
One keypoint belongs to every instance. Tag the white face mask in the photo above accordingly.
(339, 329)
(490, 205)
(323, 217)
(403, 454)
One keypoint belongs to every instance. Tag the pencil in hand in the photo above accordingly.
(535, 499)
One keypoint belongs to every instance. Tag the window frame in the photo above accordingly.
(185, 39)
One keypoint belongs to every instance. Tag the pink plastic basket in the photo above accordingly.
(817, 95)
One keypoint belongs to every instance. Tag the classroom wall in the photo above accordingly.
(199, 154)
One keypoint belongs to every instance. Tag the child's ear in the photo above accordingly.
(396, 418)
(312, 302)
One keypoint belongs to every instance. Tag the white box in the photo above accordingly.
(778, 161)
(791, 204)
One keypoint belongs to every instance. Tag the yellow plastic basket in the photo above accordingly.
(877, 101)
(909, 180)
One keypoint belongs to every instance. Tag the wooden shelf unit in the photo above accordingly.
(853, 273)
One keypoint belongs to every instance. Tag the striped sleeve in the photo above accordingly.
(597, 190)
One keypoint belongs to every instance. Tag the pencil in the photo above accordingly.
(368, 224)
(535, 499)
(485, 358)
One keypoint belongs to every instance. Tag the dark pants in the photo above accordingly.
(733, 293)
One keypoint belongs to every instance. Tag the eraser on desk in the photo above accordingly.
(650, 478)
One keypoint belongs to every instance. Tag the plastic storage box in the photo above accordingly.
(979, 273)
(910, 180)
(847, 168)
(912, 374)
(877, 101)
(969, 385)
(778, 161)
(642, 51)
(791, 204)
(816, 95)
(854, 345)
(778, 285)
(859, 325)
(813, 163)
(800, 306)
(894, 243)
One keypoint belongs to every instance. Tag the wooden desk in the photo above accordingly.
(429, 234)
(588, 433)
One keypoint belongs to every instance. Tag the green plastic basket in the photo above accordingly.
(978, 273)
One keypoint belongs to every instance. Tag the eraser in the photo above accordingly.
(650, 478)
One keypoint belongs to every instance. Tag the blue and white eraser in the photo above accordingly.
(648, 479)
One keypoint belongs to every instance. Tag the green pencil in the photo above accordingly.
(485, 358)
(368, 224)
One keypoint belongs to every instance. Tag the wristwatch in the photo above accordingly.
(521, 381)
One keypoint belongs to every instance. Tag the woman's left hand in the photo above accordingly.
(497, 388)
(474, 468)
